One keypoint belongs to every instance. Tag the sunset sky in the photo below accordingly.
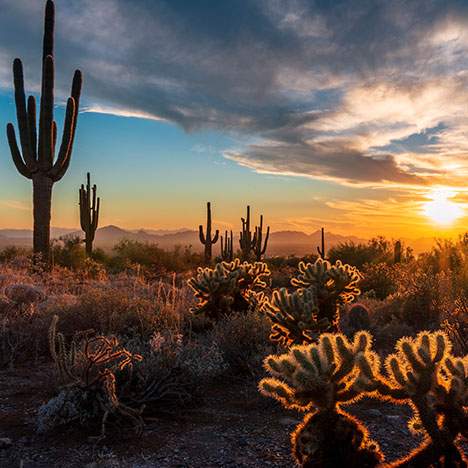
(347, 114)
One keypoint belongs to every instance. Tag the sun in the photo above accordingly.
(441, 209)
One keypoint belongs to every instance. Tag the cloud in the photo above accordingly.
(15, 205)
(360, 92)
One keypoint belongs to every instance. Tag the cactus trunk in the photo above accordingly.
(42, 200)
(89, 213)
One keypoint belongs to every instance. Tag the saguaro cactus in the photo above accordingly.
(258, 249)
(36, 159)
(89, 213)
(207, 240)
(246, 240)
(227, 247)
(321, 250)
(397, 252)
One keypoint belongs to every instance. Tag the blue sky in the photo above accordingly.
(344, 114)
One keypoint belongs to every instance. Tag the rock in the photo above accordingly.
(5, 443)
(24, 294)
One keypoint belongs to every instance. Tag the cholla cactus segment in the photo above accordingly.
(295, 317)
(338, 281)
(229, 287)
(319, 376)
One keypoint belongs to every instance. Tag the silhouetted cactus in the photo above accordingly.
(321, 250)
(246, 239)
(260, 246)
(89, 213)
(36, 159)
(301, 316)
(424, 373)
(397, 252)
(318, 379)
(229, 287)
(227, 247)
(207, 240)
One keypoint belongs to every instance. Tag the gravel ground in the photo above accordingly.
(232, 426)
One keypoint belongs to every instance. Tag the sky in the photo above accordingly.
(343, 114)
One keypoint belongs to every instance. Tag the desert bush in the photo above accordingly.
(243, 341)
(378, 280)
(153, 260)
(354, 319)
(300, 316)
(89, 369)
(229, 287)
(24, 294)
(68, 251)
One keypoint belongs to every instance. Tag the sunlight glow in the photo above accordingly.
(441, 209)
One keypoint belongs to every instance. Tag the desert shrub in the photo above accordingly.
(153, 260)
(89, 369)
(318, 380)
(229, 287)
(377, 250)
(11, 253)
(68, 252)
(322, 289)
(243, 341)
(378, 280)
(24, 294)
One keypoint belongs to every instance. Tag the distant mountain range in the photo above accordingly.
(281, 242)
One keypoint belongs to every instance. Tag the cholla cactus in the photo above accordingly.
(89, 369)
(423, 372)
(294, 316)
(229, 287)
(319, 379)
(299, 317)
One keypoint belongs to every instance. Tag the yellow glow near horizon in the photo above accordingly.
(441, 209)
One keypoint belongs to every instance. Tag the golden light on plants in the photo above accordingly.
(441, 209)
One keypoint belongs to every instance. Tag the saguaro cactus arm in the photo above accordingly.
(321, 250)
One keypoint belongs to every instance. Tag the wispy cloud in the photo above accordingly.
(15, 205)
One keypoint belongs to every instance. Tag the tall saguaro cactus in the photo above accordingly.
(246, 239)
(227, 247)
(207, 240)
(259, 249)
(89, 213)
(37, 160)
(321, 250)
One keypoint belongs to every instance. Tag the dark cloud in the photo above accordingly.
(268, 68)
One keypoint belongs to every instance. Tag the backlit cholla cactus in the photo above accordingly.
(229, 287)
(319, 379)
(301, 316)
(424, 373)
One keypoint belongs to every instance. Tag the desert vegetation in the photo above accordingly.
(119, 344)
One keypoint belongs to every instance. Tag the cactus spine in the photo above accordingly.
(89, 213)
(259, 251)
(227, 247)
(36, 159)
(321, 250)
(207, 240)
